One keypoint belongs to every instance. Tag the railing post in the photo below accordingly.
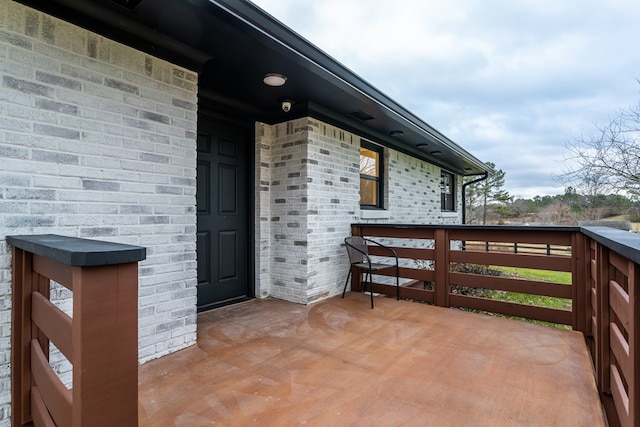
(580, 282)
(602, 319)
(105, 341)
(634, 343)
(442, 267)
(100, 340)
(21, 338)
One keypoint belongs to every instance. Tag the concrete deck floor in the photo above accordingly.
(339, 363)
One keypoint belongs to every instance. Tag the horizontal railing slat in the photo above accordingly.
(619, 262)
(619, 394)
(418, 284)
(39, 412)
(544, 314)
(542, 262)
(400, 232)
(415, 273)
(512, 236)
(55, 395)
(405, 292)
(403, 252)
(408, 273)
(53, 270)
(55, 324)
(619, 303)
(620, 349)
(531, 287)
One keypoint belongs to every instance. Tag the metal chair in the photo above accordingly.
(359, 257)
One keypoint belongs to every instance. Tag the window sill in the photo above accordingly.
(374, 214)
(449, 214)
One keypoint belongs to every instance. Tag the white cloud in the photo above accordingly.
(509, 81)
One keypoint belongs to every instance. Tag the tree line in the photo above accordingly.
(602, 175)
(493, 205)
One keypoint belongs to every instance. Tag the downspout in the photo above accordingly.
(464, 198)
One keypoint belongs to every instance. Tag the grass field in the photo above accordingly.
(538, 300)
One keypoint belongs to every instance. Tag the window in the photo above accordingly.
(371, 179)
(447, 191)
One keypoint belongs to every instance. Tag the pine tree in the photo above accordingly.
(489, 191)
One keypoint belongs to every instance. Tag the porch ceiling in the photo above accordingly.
(338, 362)
(234, 44)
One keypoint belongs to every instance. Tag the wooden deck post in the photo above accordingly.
(580, 282)
(100, 340)
(602, 319)
(105, 342)
(442, 267)
(21, 338)
(634, 342)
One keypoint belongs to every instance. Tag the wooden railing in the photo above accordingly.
(441, 264)
(99, 340)
(613, 320)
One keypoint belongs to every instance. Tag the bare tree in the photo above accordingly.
(609, 160)
(556, 213)
(368, 165)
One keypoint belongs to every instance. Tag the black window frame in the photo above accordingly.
(447, 199)
(378, 179)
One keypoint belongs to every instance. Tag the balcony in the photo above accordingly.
(405, 363)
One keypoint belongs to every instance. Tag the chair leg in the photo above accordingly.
(346, 282)
(371, 287)
(397, 284)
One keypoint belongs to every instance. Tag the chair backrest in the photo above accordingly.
(357, 249)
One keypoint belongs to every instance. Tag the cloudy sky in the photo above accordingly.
(510, 81)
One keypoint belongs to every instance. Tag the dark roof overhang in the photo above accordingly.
(233, 44)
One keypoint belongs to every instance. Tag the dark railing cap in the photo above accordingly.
(625, 243)
(512, 227)
(78, 252)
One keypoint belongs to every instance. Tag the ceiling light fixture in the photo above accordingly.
(274, 79)
(422, 145)
(436, 153)
(396, 133)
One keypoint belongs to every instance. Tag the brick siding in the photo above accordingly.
(97, 140)
(309, 178)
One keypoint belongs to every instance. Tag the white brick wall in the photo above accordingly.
(262, 218)
(288, 212)
(334, 201)
(414, 192)
(97, 140)
(309, 171)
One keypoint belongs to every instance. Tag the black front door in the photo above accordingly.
(224, 188)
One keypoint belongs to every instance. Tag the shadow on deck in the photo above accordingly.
(337, 362)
